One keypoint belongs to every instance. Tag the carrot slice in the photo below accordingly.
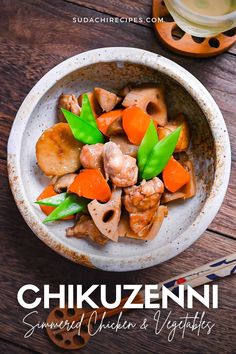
(91, 184)
(135, 123)
(106, 119)
(175, 175)
(46, 193)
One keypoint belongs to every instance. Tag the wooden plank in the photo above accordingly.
(25, 259)
(125, 9)
(19, 59)
(209, 72)
(21, 250)
(26, 66)
(7, 347)
(225, 221)
(232, 50)
(28, 54)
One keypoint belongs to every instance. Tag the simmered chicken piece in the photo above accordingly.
(125, 230)
(106, 99)
(141, 222)
(57, 151)
(97, 157)
(86, 227)
(68, 102)
(143, 197)
(142, 203)
(121, 169)
(184, 138)
(92, 156)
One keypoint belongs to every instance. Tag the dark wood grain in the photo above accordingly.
(25, 259)
(126, 8)
(7, 347)
(232, 50)
(35, 35)
(54, 46)
(224, 221)
(30, 54)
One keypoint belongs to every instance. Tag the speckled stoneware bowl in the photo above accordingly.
(112, 68)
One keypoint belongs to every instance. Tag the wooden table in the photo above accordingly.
(35, 35)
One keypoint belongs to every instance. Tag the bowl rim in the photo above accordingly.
(201, 96)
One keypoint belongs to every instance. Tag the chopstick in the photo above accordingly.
(207, 273)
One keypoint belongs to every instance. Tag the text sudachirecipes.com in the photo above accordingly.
(117, 20)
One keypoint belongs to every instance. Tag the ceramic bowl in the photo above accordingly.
(112, 68)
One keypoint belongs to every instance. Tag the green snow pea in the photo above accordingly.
(53, 201)
(160, 155)
(150, 139)
(82, 129)
(86, 111)
(71, 205)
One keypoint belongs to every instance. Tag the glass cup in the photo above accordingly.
(203, 18)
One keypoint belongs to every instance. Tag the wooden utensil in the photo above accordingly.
(76, 339)
(71, 339)
(180, 42)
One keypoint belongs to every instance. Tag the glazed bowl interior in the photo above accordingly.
(113, 76)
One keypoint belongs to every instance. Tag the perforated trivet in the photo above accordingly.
(181, 42)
